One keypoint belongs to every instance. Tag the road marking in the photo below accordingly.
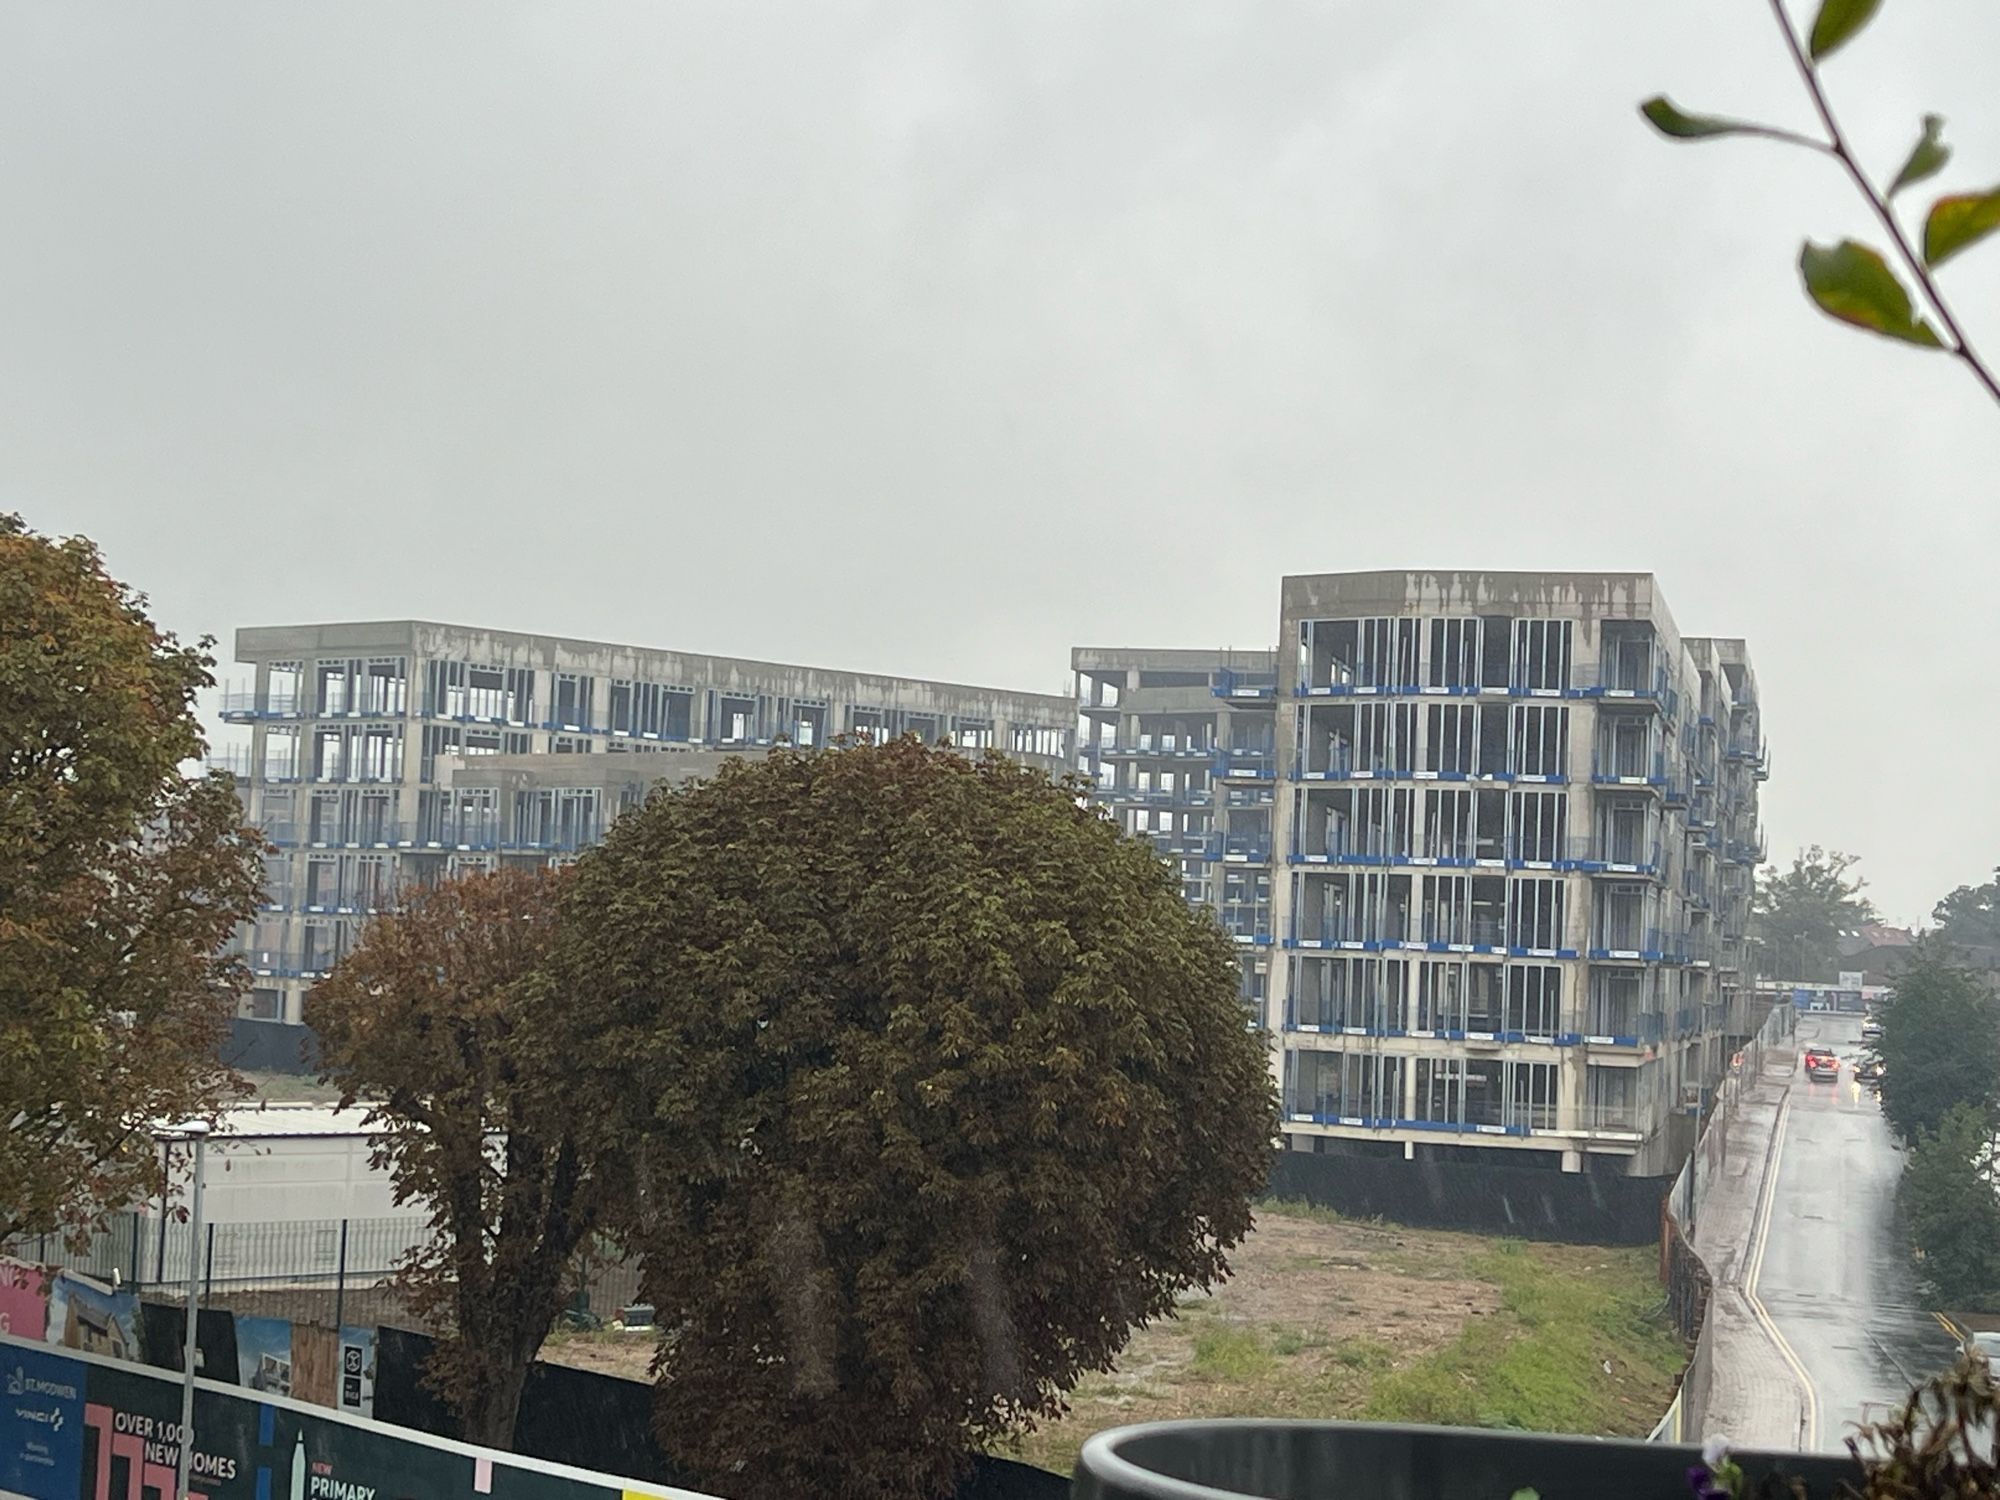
(1950, 1327)
(1761, 1239)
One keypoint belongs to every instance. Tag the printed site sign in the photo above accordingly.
(83, 1427)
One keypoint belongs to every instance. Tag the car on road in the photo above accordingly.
(1871, 1030)
(1987, 1345)
(1822, 1066)
(1870, 1072)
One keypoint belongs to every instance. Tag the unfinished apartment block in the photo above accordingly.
(1504, 846)
(1183, 748)
(404, 751)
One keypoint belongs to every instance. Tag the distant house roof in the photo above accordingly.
(1874, 935)
(273, 1121)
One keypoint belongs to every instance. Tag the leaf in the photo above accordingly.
(1959, 220)
(1927, 157)
(1837, 22)
(1854, 284)
(1670, 120)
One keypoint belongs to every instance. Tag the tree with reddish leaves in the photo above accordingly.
(121, 881)
(468, 1081)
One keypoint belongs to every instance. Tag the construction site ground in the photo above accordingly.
(1324, 1317)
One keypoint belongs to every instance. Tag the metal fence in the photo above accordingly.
(326, 1271)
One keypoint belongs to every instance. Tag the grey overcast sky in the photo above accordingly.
(938, 337)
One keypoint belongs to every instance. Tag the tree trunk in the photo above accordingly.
(491, 1407)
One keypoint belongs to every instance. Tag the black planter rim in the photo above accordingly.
(1101, 1458)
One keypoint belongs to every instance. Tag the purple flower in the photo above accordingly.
(1705, 1485)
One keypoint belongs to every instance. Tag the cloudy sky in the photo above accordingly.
(937, 337)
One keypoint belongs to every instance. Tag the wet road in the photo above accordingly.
(1832, 1276)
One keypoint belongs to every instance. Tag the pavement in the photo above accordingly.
(1817, 1322)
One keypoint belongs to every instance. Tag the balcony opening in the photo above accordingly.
(281, 754)
(1542, 651)
(1535, 913)
(1442, 986)
(1441, 1090)
(282, 683)
(1446, 911)
(1540, 740)
(1627, 745)
(1454, 655)
(1618, 1004)
(1493, 741)
(1627, 830)
(571, 709)
(1448, 824)
(1332, 1086)
(1495, 668)
(331, 696)
(1624, 916)
(1485, 1009)
(1490, 824)
(1489, 909)
(736, 721)
(1540, 822)
(385, 686)
(1534, 999)
(1626, 656)
(1451, 738)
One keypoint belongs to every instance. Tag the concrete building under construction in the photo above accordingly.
(387, 752)
(1486, 844)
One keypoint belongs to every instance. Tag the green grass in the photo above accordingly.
(1363, 1354)
(1224, 1353)
(1526, 1349)
(1539, 1363)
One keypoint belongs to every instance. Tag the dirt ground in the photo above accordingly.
(1329, 1318)
(1330, 1282)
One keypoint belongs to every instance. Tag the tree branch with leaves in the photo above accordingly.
(1850, 281)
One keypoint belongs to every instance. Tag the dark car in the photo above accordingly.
(1870, 1072)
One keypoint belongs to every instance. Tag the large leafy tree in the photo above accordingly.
(1970, 916)
(1950, 1203)
(1940, 1045)
(120, 882)
(1800, 914)
(469, 1086)
(937, 1088)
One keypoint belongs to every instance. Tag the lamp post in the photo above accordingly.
(196, 1133)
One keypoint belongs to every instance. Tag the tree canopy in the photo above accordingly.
(1951, 1206)
(1940, 1044)
(469, 1086)
(1799, 914)
(936, 1088)
(1970, 916)
(120, 882)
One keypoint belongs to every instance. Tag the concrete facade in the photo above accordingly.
(393, 751)
(1493, 867)
(1183, 748)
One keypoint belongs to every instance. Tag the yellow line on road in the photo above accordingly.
(1763, 1238)
(1950, 1327)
